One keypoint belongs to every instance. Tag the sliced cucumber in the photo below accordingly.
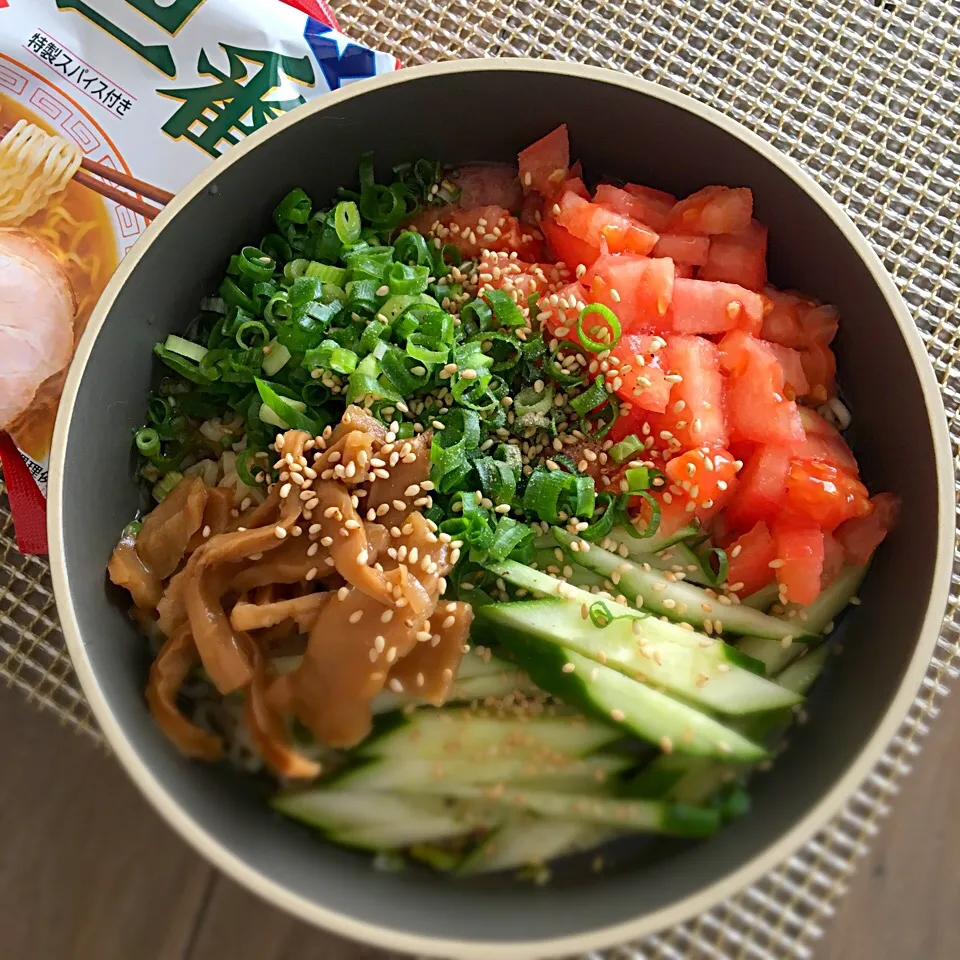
(462, 734)
(403, 833)
(532, 841)
(546, 560)
(818, 614)
(619, 813)
(693, 780)
(678, 600)
(408, 773)
(763, 598)
(645, 712)
(679, 555)
(644, 649)
(620, 538)
(473, 665)
(332, 809)
(799, 676)
(493, 686)
(543, 585)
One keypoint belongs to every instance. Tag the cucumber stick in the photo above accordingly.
(707, 675)
(336, 811)
(526, 842)
(692, 780)
(491, 686)
(643, 711)
(409, 773)
(675, 599)
(447, 734)
(620, 539)
(612, 812)
(818, 614)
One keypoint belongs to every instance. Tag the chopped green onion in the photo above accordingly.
(251, 333)
(327, 274)
(545, 489)
(276, 359)
(346, 221)
(600, 527)
(591, 398)
(165, 484)
(609, 318)
(185, 348)
(505, 309)
(148, 442)
(626, 448)
(290, 413)
(718, 576)
(255, 264)
(653, 524)
(295, 207)
(244, 471)
(638, 479)
(529, 401)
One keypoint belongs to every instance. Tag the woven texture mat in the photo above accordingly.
(865, 96)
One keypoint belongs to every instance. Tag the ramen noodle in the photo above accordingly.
(34, 168)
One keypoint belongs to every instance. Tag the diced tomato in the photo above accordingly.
(792, 363)
(738, 257)
(820, 368)
(683, 248)
(824, 494)
(782, 321)
(797, 322)
(749, 558)
(481, 228)
(684, 270)
(531, 210)
(637, 289)
(763, 484)
(657, 204)
(695, 414)
(833, 560)
(861, 536)
(563, 315)
(705, 474)
(824, 442)
(599, 226)
(704, 308)
(644, 382)
(800, 551)
(544, 164)
(488, 184)
(566, 247)
(713, 210)
(574, 185)
(627, 424)
(756, 407)
(642, 209)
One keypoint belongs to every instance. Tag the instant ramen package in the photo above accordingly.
(98, 94)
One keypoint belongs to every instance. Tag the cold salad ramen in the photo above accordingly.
(495, 515)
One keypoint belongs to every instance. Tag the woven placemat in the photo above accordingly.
(864, 95)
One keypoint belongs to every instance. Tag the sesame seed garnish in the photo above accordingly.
(279, 532)
(617, 715)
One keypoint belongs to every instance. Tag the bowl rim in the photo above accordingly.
(246, 873)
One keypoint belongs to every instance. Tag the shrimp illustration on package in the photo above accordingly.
(107, 108)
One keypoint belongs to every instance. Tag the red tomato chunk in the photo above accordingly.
(705, 308)
(749, 558)
(544, 164)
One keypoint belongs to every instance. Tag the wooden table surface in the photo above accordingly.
(89, 872)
